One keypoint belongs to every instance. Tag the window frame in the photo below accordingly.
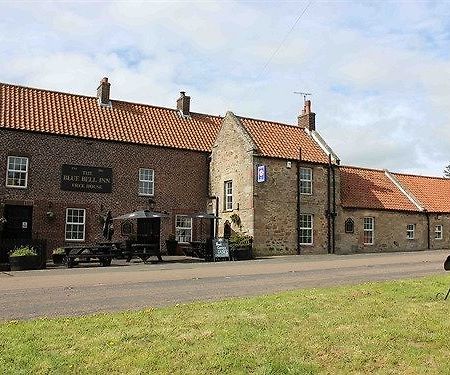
(183, 228)
(74, 223)
(17, 171)
(309, 181)
(440, 231)
(410, 230)
(371, 230)
(152, 182)
(228, 204)
(306, 228)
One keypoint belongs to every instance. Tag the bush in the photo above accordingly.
(238, 240)
(23, 251)
(58, 251)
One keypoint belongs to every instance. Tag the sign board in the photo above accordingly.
(261, 173)
(220, 248)
(86, 179)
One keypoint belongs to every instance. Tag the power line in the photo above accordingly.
(284, 39)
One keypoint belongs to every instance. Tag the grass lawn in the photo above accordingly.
(391, 327)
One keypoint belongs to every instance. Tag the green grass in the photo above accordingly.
(393, 328)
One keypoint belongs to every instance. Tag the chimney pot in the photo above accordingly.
(183, 103)
(103, 92)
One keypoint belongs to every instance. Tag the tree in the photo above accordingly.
(447, 171)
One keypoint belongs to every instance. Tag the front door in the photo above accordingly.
(148, 230)
(17, 230)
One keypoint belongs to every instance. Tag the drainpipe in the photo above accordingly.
(298, 199)
(333, 215)
(428, 230)
(329, 204)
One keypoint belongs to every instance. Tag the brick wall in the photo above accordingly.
(180, 181)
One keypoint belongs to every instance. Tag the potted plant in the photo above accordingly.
(171, 244)
(241, 246)
(24, 258)
(58, 255)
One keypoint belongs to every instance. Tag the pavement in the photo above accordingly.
(130, 286)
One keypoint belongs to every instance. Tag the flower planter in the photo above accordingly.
(242, 253)
(28, 262)
(171, 247)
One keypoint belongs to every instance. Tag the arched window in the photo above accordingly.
(349, 225)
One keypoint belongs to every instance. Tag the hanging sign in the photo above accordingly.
(86, 179)
(261, 175)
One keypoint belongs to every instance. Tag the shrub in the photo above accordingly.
(23, 251)
(58, 251)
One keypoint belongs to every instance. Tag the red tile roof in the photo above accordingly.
(31, 109)
(432, 192)
(371, 189)
(280, 140)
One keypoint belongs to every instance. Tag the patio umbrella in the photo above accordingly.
(142, 214)
(202, 216)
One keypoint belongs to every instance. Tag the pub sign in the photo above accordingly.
(261, 173)
(86, 179)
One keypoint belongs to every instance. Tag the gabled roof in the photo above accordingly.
(432, 192)
(283, 141)
(371, 189)
(37, 110)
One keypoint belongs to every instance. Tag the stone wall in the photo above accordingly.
(232, 159)
(276, 209)
(180, 181)
(390, 231)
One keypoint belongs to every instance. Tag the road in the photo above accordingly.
(86, 290)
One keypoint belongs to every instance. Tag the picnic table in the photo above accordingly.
(144, 251)
(102, 253)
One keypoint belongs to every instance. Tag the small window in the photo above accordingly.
(306, 229)
(369, 223)
(146, 181)
(438, 232)
(410, 228)
(349, 226)
(306, 181)
(183, 228)
(17, 172)
(228, 193)
(75, 224)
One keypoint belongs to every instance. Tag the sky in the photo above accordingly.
(379, 72)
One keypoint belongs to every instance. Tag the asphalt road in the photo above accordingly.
(86, 290)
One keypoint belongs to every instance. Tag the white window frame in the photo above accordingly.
(228, 197)
(306, 228)
(410, 231)
(438, 232)
(369, 227)
(177, 236)
(306, 182)
(150, 181)
(83, 224)
(17, 171)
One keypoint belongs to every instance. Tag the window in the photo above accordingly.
(368, 230)
(146, 181)
(410, 231)
(306, 229)
(306, 181)
(75, 224)
(17, 172)
(438, 232)
(349, 226)
(183, 228)
(228, 192)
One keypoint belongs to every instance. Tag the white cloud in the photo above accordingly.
(378, 72)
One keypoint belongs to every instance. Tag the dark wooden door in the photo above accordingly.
(148, 230)
(19, 222)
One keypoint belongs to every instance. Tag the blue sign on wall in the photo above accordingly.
(261, 173)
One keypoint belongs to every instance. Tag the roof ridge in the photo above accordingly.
(362, 168)
(46, 90)
(419, 175)
(273, 122)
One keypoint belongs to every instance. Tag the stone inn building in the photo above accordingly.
(69, 159)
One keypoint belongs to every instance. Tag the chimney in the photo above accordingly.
(307, 119)
(183, 103)
(103, 92)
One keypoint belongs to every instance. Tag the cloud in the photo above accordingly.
(378, 71)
